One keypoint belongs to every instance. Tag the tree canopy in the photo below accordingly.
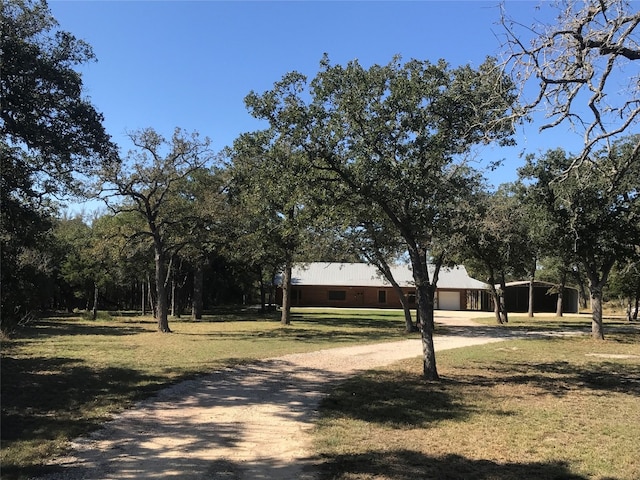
(395, 135)
(49, 134)
(599, 213)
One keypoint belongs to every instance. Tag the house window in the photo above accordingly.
(412, 299)
(382, 296)
(337, 295)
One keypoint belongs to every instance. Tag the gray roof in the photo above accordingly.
(364, 275)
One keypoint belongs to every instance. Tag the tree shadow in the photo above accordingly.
(395, 399)
(48, 399)
(195, 425)
(559, 378)
(75, 326)
(378, 321)
(410, 465)
(304, 335)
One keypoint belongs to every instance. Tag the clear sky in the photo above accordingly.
(189, 64)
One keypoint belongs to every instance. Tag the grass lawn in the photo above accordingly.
(530, 409)
(557, 408)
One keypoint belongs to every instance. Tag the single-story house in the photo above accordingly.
(545, 297)
(322, 284)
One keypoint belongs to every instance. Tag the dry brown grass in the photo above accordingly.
(536, 409)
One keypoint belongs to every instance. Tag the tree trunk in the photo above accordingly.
(583, 292)
(504, 316)
(94, 313)
(263, 290)
(496, 304)
(495, 295)
(597, 281)
(383, 267)
(198, 281)
(597, 330)
(152, 302)
(143, 304)
(285, 319)
(560, 301)
(174, 309)
(162, 314)
(425, 292)
(408, 322)
(634, 316)
(425, 299)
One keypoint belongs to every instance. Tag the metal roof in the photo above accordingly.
(364, 275)
(536, 283)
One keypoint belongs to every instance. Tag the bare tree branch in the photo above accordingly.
(585, 68)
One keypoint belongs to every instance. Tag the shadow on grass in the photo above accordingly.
(326, 336)
(394, 399)
(375, 320)
(75, 326)
(48, 399)
(559, 378)
(410, 465)
(305, 335)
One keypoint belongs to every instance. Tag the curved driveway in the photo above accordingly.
(246, 423)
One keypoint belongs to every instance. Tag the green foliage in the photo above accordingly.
(392, 133)
(48, 134)
(42, 106)
(592, 209)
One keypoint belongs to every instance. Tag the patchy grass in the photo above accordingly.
(558, 408)
(64, 376)
(545, 322)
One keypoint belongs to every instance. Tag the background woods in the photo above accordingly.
(372, 163)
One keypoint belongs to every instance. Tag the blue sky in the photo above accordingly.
(189, 64)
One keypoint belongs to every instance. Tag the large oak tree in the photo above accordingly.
(396, 135)
(150, 185)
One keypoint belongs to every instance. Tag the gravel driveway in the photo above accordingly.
(245, 423)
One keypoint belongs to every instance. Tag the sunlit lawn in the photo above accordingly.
(558, 408)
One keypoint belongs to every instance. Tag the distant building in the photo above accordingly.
(323, 284)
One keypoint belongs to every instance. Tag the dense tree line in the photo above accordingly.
(368, 164)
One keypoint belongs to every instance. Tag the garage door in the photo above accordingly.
(449, 300)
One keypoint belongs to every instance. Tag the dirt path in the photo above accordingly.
(244, 423)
